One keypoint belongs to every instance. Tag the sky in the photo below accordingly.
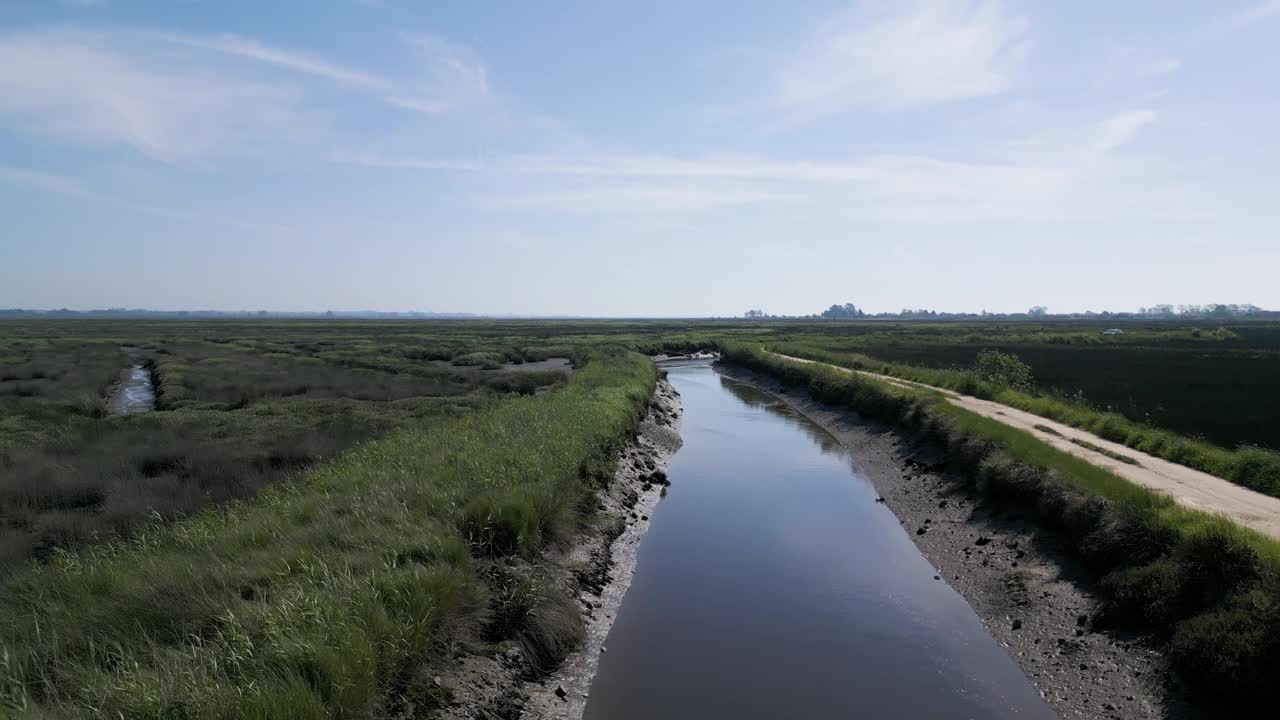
(658, 158)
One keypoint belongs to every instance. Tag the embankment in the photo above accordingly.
(1204, 590)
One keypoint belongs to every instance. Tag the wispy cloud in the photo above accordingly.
(1120, 129)
(250, 49)
(42, 181)
(1258, 12)
(62, 185)
(177, 97)
(100, 89)
(891, 56)
(455, 77)
(1036, 182)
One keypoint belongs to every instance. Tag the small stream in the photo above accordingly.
(136, 394)
(772, 585)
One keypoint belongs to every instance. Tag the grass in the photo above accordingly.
(1104, 451)
(1253, 467)
(239, 412)
(1209, 589)
(1157, 374)
(323, 511)
(324, 596)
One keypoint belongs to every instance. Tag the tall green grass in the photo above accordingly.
(322, 597)
(1207, 587)
(1252, 467)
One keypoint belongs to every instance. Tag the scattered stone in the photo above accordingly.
(943, 504)
(1016, 624)
(560, 693)
(1082, 620)
(922, 531)
(982, 540)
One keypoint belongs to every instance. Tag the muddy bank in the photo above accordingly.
(597, 569)
(1030, 594)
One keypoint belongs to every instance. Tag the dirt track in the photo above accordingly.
(1192, 488)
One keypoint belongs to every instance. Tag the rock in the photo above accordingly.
(1079, 632)
(1016, 625)
(560, 693)
(982, 540)
(879, 499)
(943, 504)
(1082, 620)
(922, 531)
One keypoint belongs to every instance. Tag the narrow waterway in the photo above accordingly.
(136, 394)
(772, 585)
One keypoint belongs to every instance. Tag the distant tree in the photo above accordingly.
(1004, 369)
(1038, 311)
(848, 311)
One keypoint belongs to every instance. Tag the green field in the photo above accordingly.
(1204, 381)
(317, 510)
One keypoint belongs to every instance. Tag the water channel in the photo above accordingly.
(772, 585)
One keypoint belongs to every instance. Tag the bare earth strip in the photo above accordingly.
(1189, 487)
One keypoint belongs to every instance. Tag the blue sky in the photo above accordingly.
(657, 158)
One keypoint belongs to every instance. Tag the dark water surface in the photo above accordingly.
(772, 585)
(137, 395)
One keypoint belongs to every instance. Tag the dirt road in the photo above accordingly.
(1192, 488)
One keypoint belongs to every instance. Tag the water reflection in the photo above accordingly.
(756, 398)
(772, 585)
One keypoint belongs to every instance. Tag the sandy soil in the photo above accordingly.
(497, 684)
(1035, 600)
(1192, 488)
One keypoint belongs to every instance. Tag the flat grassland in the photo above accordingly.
(318, 510)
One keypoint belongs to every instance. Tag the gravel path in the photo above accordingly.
(1192, 488)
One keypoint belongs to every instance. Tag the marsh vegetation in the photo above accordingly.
(322, 512)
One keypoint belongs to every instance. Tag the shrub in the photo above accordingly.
(1004, 370)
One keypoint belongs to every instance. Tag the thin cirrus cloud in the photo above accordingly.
(106, 89)
(74, 188)
(894, 56)
(1251, 15)
(175, 98)
(448, 76)
(1072, 181)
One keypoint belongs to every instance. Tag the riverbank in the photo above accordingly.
(338, 592)
(1033, 597)
(598, 568)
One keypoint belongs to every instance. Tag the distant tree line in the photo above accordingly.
(1212, 311)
